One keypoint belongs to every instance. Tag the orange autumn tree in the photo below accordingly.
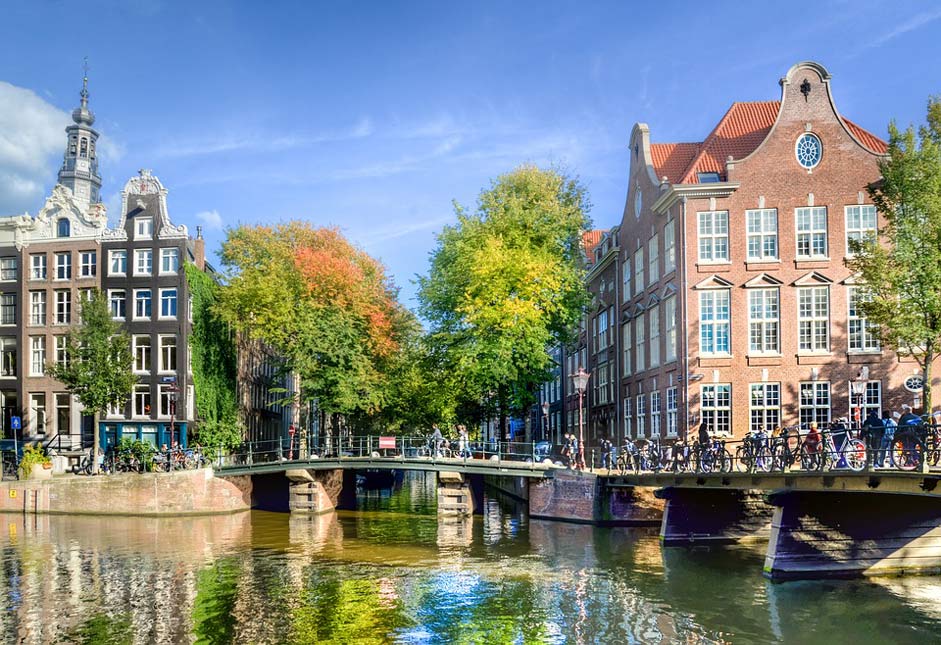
(324, 305)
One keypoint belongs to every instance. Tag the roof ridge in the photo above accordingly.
(705, 144)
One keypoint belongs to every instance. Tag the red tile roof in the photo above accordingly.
(591, 239)
(737, 135)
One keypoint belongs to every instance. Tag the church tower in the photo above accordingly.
(79, 172)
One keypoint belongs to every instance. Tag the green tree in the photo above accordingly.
(902, 269)
(506, 283)
(98, 361)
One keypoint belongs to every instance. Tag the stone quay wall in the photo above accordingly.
(192, 492)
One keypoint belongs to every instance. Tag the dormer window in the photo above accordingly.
(144, 228)
(64, 228)
(83, 149)
(708, 177)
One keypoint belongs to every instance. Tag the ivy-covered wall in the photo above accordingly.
(215, 366)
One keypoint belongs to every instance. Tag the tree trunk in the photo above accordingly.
(95, 441)
(926, 377)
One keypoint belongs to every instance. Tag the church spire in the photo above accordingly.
(79, 171)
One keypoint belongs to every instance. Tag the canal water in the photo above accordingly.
(392, 572)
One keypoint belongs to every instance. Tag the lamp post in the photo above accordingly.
(545, 420)
(580, 381)
(858, 388)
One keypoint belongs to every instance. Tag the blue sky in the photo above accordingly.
(374, 116)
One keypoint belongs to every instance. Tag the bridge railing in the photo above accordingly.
(381, 448)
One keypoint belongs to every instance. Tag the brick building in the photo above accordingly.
(735, 305)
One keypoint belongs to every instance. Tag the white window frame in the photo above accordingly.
(715, 317)
(37, 355)
(716, 408)
(37, 307)
(669, 316)
(872, 399)
(113, 298)
(38, 266)
(627, 345)
(136, 298)
(653, 259)
(811, 322)
(6, 268)
(810, 234)
(764, 316)
(66, 266)
(669, 247)
(641, 402)
(640, 340)
(165, 396)
(655, 414)
(143, 228)
(141, 400)
(143, 354)
(166, 254)
(764, 406)
(176, 303)
(858, 230)
(761, 225)
(143, 268)
(7, 309)
(164, 368)
(653, 323)
(712, 229)
(671, 412)
(61, 319)
(639, 272)
(626, 280)
(88, 264)
(860, 338)
(816, 407)
(61, 344)
(628, 416)
(119, 255)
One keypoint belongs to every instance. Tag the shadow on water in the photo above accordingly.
(395, 572)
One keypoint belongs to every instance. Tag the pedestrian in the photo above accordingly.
(605, 446)
(909, 418)
(576, 456)
(889, 423)
(437, 439)
(567, 449)
(704, 438)
(462, 441)
(873, 430)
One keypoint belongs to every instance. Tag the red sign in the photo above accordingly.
(291, 430)
(386, 443)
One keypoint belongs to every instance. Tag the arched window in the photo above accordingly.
(72, 145)
(64, 228)
(83, 150)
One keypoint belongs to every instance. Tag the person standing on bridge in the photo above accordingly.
(873, 429)
(437, 440)
(463, 452)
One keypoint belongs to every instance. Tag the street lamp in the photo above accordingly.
(545, 420)
(858, 388)
(580, 381)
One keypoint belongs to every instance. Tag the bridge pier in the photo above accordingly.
(577, 496)
(314, 491)
(455, 496)
(832, 534)
(713, 515)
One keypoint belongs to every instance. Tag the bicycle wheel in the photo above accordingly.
(780, 457)
(810, 458)
(764, 461)
(743, 459)
(906, 453)
(854, 454)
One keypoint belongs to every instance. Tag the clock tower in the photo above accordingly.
(79, 171)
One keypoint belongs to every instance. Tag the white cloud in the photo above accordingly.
(212, 219)
(32, 133)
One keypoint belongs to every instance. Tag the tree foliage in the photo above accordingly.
(902, 270)
(321, 303)
(215, 365)
(505, 283)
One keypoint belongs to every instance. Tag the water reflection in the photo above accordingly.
(394, 572)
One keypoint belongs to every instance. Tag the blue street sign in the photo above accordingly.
(168, 379)
(16, 423)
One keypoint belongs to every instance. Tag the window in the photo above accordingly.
(671, 412)
(168, 353)
(142, 304)
(717, 408)
(669, 313)
(63, 307)
(762, 227)
(601, 329)
(143, 261)
(714, 236)
(815, 402)
(808, 150)
(654, 322)
(63, 226)
(708, 177)
(654, 414)
(169, 261)
(863, 336)
(143, 228)
(641, 415)
(8, 309)
(141, 401)
(37, 265)
(62, 347)
(812, 232)
(37, 406)
(63, 412)
(626, 277)
(83, 149)
(871, 401)
(628, 426)
(813, 311)
(89, 268)
(118, 300)
(653, 259)
(37, 355)
(7, 269)
(168, 303)
(8, 356)
(763, 321)
(714, 321)
(118, 262)
(628, 346)
(860, 225)
(37, 307)
(63, 266)
(669, 247)
(765, 406)
(640, 337)
(639, 271)
(167, 400)
(141, 347)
